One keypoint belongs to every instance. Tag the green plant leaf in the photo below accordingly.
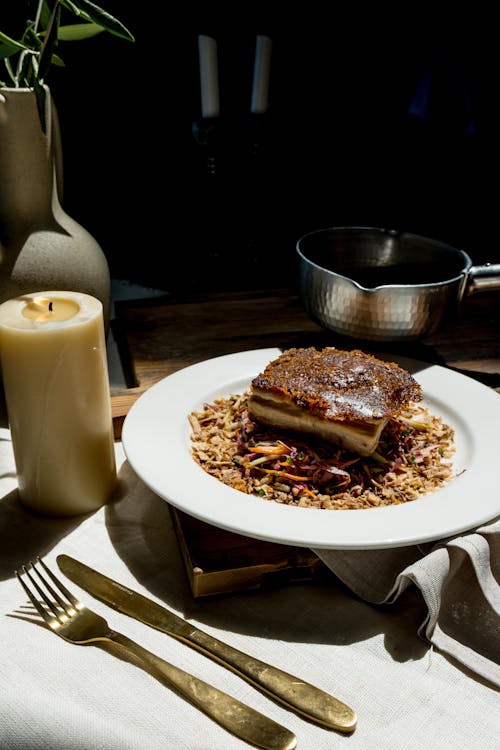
(78, 31)
(92, 12)
(31, 39)
(9, 46)
(57, 61)
(6, 52)
(27, 66)
(43, 15)
(40, 94)
(28, 60)
(49, 43)
(11, 71)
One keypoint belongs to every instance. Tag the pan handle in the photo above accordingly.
(483, 278)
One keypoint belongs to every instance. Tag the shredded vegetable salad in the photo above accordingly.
(413, 458)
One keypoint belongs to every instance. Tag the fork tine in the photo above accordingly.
(69, 596)
(50, 613)
(42, 611)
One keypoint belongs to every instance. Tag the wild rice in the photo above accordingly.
(412, 459)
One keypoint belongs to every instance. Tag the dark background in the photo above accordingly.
(376, 119)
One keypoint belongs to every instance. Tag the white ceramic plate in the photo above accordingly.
(156, 441)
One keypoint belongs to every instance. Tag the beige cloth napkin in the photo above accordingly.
(459, 579)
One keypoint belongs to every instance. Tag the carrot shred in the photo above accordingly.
(278, 473)
(275, 450)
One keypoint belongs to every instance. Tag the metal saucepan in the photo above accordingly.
(385, 285)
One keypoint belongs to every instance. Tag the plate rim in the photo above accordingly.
(268, 521)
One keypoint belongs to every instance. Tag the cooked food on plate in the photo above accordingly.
(326, 429)
(343, 396)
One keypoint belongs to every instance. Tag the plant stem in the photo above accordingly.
(49, 41)
(38, 15)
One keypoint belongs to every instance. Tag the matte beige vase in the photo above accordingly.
(41, 247)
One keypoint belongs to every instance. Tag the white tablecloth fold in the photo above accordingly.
(459, 579)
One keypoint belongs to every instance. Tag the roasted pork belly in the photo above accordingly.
(346, 397)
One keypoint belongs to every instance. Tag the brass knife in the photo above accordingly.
(295, 694)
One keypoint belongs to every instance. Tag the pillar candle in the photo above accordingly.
(209, 76)
(56, 385)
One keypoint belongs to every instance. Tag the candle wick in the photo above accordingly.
(50, 306)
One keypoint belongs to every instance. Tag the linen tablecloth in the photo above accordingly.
(54, 695)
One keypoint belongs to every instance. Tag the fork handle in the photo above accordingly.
(239, 719)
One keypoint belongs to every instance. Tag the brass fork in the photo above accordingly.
(66, 616)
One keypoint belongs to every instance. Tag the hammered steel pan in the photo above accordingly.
(385, 285)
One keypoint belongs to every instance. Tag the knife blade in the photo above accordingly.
(295, 694)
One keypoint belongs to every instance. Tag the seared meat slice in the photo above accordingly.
(343, 396)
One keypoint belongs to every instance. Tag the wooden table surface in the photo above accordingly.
(160, 335)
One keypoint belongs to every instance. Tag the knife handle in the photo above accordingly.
(294, 693)
(239, 719)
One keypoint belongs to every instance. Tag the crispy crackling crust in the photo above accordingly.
(334, 384)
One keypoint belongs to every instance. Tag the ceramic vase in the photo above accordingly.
(41, 247)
